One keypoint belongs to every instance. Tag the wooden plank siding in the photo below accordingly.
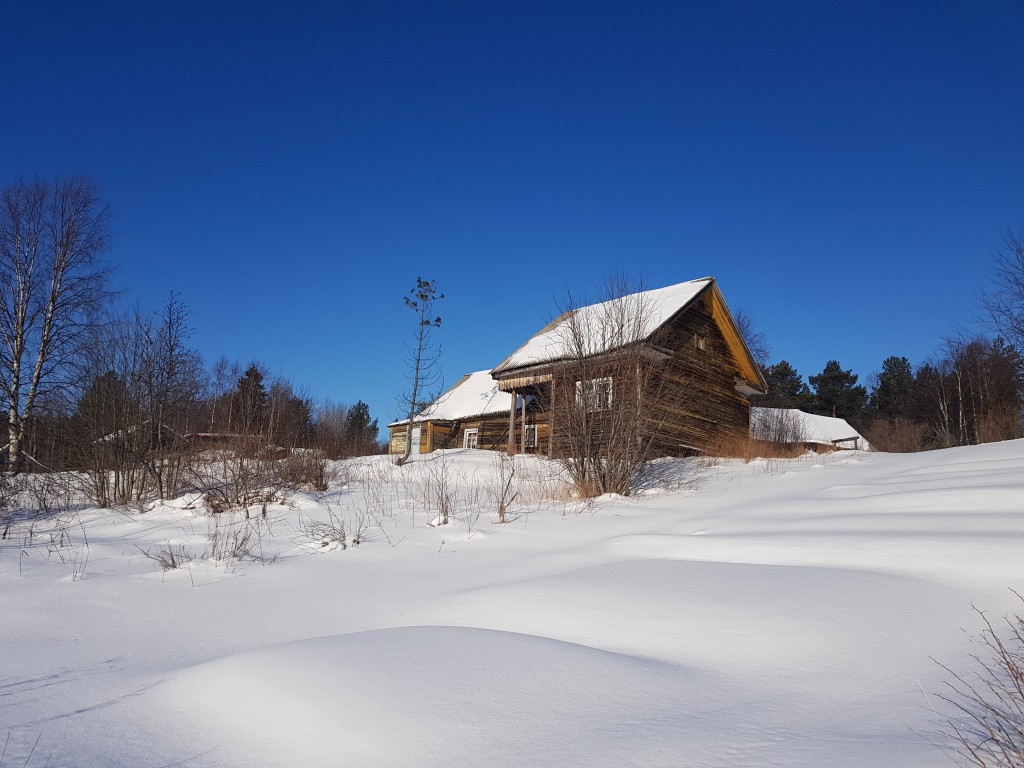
(436, 435)
(699, 404)
(685, 382)
(689, 370)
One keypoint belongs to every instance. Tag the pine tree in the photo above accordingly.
(786, 388)
(836, 393)
(891, 399)
(360, 433)
(423, 359)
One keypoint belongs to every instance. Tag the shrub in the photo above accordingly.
(898, 436)
(306, 468)
(750, 448)
(986, 728)
(778, 425)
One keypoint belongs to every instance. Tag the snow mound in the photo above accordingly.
(438, 695)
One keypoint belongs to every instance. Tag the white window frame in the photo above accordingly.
(595, 394)
(475, 433)
(529, 435)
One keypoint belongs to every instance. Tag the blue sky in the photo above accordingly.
(846, 170)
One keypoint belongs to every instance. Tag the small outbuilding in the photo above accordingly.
(471, 414)
(795, 427)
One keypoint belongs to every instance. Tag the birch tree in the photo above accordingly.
(51, 284)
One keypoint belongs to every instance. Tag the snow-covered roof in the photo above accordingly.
(475, 394)
(813, 428)
(556, 342)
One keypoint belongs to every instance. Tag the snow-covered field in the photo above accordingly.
(781, 613)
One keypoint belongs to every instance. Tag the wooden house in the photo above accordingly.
(471, 414)
(674, 353)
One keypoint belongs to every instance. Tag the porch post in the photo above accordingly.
(551, 415)
(522, 427)
(512, 426)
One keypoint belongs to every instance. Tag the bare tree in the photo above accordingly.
(289, 422)
(756, 341)
(1003, 306)
(224, 373)
(778, 425)
(170, 380)
(423, 358)
(614, 392)
(329, 429)
(139, 400)
(971, 393)
(51, 285)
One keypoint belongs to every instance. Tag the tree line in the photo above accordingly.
(85, 386)
(968, 393)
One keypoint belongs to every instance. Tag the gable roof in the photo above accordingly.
(653, 308)
(475, 394)
(553, 342)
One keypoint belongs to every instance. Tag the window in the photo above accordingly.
(470, 437)
(530, 435)
(594, 394)
(700, 343)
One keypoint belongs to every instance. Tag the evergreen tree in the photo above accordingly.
(360, 433)
(786, 388)
(423, 359)
(104, 408)
(836, 393)
(289, 419)
(891, 399)
(250, 402)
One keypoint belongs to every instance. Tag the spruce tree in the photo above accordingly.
(836, 393)
(892, 397)
(250, 402)
(786, 388)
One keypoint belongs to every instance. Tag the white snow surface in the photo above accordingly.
(477, 395)
(658, 306)
(815, 428)
(775, 613)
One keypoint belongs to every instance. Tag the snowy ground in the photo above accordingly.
(781, 613)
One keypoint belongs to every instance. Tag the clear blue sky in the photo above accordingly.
(847, 170)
